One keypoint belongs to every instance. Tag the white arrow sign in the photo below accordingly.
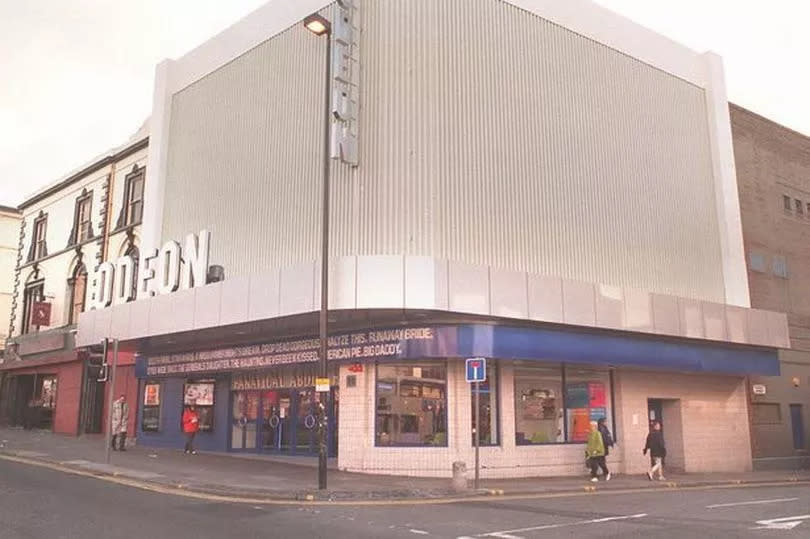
(785, 523)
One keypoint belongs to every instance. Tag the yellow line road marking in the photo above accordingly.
(184, 492)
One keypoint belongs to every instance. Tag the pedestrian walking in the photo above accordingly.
(191, 424)
(658, 450)
(595, 451)
(120, 419)
(607, 439)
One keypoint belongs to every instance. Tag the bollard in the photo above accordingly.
(459, 476)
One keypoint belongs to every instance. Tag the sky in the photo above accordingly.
(77, 75)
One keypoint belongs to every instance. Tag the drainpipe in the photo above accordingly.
(105, 241)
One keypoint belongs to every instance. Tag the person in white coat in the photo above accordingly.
(120, 418)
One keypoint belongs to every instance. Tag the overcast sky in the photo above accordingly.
(77, 74)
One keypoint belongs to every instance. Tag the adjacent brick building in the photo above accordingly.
(773, 175)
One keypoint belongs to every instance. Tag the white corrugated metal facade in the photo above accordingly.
(487, 135)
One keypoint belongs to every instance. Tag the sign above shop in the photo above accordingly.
(474, 340)
(375, 344)
(288, 378)
(159, 272)
(759, 389)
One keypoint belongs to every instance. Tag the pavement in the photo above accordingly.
(43, 503)
(261, 479)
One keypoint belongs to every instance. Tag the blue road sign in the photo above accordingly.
(476, 369)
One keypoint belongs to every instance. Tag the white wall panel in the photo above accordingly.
(262, 294)
(508, 294)
(297, 288)
(666, 316)
(381, 282)
(207, 305)
(545, 298)
(469, 288)
(234, 299)
(579, 303)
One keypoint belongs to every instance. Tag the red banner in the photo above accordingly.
(41, 313)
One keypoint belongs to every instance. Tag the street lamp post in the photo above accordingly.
(319, 26)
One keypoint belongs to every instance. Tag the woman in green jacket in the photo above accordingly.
(595, 451)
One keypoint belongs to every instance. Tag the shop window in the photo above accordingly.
(150, 414)
(201, 395)
(48, 392)
(555, 404)
(411, 404)
(587, 398)
(766, 413)
(538, 404)
(488, 412)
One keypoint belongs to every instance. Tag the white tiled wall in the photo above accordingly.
(711, 414)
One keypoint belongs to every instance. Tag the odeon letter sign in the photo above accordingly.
(159, 272)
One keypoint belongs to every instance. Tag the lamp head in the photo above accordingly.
(318, 25)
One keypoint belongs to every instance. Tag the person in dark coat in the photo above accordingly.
(655, 445)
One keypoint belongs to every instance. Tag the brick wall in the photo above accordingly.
(773, 162)
(713, 431)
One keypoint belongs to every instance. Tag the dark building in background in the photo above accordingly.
(773, 174)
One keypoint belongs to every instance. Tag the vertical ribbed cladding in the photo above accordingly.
(244, 156)
(487, 135)
(492, 136)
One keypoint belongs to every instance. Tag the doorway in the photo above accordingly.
(797, 424)
(668, 413)
(281, 421)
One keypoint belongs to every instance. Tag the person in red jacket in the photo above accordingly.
(191, 424)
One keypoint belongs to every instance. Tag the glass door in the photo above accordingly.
(277, 420)
(306, 428)
(244, 420)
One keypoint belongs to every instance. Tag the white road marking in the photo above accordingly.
(419, 532)
(507, 534)
(784, 523)
(755, 502)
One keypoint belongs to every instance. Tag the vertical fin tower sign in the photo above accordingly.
(345, 81)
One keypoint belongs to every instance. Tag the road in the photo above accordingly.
(41, 503)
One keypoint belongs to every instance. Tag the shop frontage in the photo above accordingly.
(399, 402)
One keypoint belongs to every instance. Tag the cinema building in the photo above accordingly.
(545, 185)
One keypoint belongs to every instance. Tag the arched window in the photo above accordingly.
(136, 259)
(78, 290)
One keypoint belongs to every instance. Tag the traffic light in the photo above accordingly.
(95, 357)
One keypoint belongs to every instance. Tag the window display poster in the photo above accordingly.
(201, 394)
(596, 390)
(151, 395)
(580, 424)
(598, 413)
(577, 395)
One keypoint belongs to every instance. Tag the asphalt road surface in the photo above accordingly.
(40, 503)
